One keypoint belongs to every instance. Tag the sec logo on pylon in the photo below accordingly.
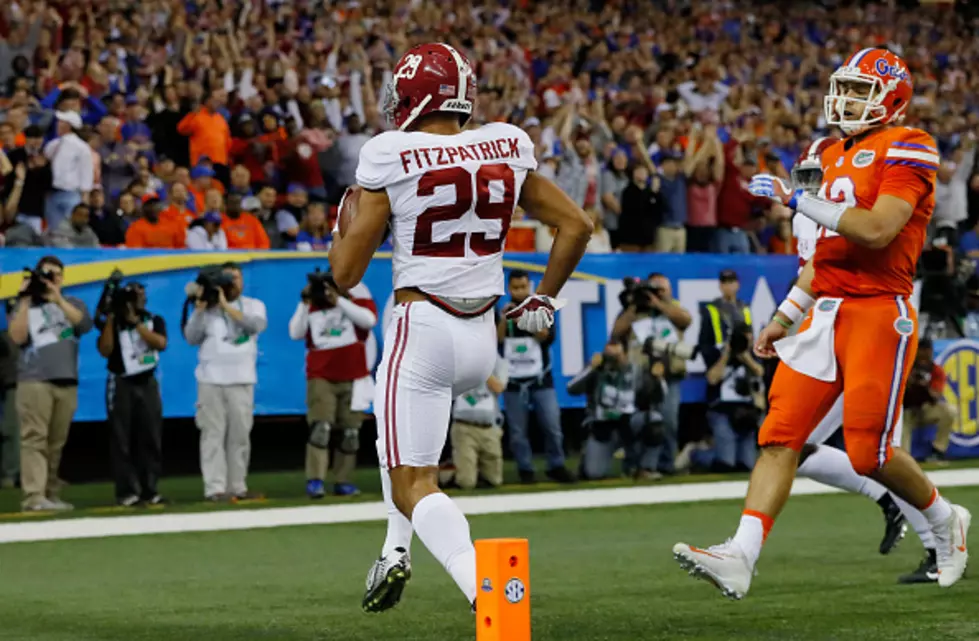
(514, 591)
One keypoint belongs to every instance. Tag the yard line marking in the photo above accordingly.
(98, 527)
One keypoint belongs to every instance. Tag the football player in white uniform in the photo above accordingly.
(448, 195)
(830, 465)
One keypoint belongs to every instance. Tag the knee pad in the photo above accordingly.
(319, 435)
(351, 441)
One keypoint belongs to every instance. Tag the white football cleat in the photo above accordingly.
(723, 565)
(951, 547)
(386, 581)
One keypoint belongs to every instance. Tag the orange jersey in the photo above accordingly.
(245, 232)
(896, 161)
(159, 235)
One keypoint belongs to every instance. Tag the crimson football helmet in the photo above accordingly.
(807, 174)
(430, 78)
(873, 87)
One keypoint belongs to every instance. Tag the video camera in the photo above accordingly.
(740, 339)
(210, 280)
(638, 292)
(37, 285)
(319, 282)
(116, 298)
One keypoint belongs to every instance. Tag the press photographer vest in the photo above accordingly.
(47, 325)
(336, 350)
(137, 357)
(614, 394)
(659, 327)
(524, 355)
(331, 329)
(478, 406)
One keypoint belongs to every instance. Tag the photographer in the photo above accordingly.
(528, 358)
(735, 390)
(131, 339)
(335, 326)
(650, 311)
(924, 401)
(225, 324)
(611, 383)
(46, 325)
(477, 438)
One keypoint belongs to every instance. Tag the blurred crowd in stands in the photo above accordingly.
(214, 124)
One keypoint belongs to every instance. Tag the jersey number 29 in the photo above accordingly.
(459, 177)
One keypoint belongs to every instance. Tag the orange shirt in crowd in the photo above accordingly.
(245, 232)
(181, 217)
(209, 135)
(160, 235)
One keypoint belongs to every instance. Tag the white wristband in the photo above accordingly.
(824, 212)
(796, 304)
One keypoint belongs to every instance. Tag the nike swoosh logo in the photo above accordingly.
(705, 552)
(961, 548)
(932, 576)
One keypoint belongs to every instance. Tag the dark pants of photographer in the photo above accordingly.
(135, 414)
(660, 457)
(605, 437)
(735, 438)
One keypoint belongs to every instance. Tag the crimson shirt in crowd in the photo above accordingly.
(734, 202)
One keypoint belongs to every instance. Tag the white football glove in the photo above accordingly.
(535, 313)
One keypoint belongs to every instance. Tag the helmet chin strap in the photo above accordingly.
(415, 112)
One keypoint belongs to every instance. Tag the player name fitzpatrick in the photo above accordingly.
(425, 157)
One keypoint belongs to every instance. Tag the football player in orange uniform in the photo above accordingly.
(873, 208)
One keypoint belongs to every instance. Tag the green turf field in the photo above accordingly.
(596, 575)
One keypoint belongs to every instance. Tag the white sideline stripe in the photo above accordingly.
(106, 526)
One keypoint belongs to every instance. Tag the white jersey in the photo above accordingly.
(806, 232)
(452, 198)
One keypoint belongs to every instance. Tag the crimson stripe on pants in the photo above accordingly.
(394, 386)
(387, 393)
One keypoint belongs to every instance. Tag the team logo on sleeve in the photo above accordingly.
(864, 158)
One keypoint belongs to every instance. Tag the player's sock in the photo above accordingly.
(917, 521)
(399, 527)
(832, 467)
(938, 511)
(444, 530)
(751, 534)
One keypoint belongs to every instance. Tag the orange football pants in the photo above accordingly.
(875, 344)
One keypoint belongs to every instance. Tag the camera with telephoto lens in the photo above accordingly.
(740, 338)
(639, 293)
(657, 348)
(319, 283)
(212, 279)
(116, 298)
(37, 284)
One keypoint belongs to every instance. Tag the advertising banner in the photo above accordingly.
(276, 278)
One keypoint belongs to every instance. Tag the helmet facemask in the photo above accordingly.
(866, 109)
